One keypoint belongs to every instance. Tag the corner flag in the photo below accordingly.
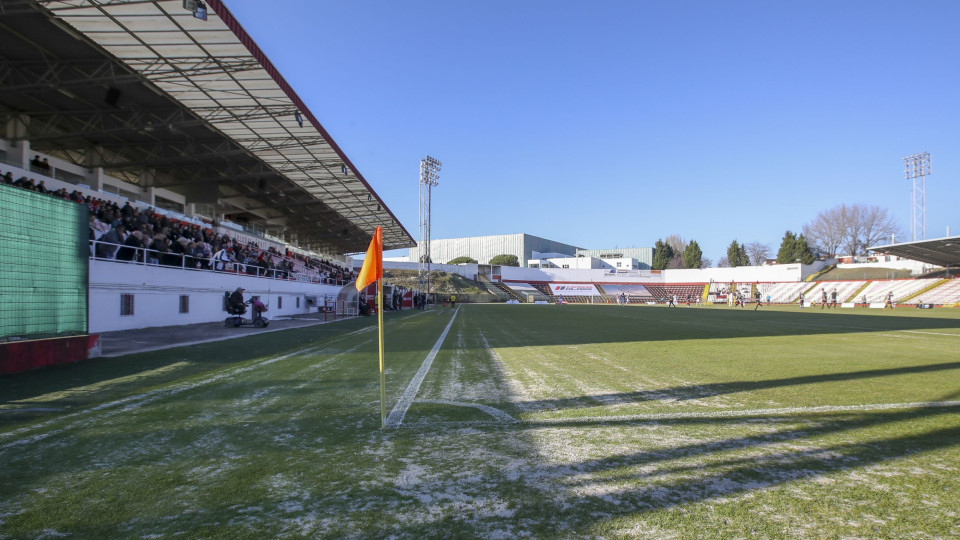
(372, 269)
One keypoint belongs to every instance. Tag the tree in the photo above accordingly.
(826, 231)
(737, 254)
(878, 225)
(758, 252)
(723, 262)
(787, 248)
(662, 253)
(677, 246)
(693, 255)
(505, 260)
(802, 251)
(852, 228)
(461, 260)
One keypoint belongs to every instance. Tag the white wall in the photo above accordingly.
(157, 292)
(744, 274)
(511, 273)
(740, 274)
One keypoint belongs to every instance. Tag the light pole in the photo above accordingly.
(917, 167)
(429, 174)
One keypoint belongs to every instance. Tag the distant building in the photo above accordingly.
(580, 262)
(484, 248)
(642, 257)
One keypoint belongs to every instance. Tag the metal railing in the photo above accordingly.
(108, 251)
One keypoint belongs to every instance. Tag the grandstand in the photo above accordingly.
(192, 166)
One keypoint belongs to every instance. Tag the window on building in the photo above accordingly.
(126, 305)
(184, 303)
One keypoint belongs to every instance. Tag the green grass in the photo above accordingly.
(627, 421)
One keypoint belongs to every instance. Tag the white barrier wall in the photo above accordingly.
(157, 293)
(740, 274)
(512, 273)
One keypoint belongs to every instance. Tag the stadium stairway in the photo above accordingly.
(856, 294)
(603, 294)
(824, 270)
(498, 289)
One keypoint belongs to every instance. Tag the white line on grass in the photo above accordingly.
(395, 418)
(746, 412)
(492, 411)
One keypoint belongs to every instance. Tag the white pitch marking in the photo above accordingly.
(492, 411)
(747, 412)
(395, 418)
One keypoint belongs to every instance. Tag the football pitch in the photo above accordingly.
(535, 421)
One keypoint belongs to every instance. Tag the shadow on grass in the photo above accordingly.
(699, 391)
(519, 326)
(523, 326)
(638, 483)
(36, 395)
(655, 489)
(98, 380)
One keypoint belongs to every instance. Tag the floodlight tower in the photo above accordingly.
(429, 173)
(917, 167)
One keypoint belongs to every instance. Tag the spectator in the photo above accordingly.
(258, 307)
(109, 242)
(236, 301)
(131, 246)
(221, 259)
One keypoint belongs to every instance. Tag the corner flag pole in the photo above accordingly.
(372, 271)
(383, 393)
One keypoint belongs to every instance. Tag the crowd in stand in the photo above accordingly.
(30, 184)
(123, 232)
(126, 233)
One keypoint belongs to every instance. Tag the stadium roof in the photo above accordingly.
(940, 251)
(162, 99)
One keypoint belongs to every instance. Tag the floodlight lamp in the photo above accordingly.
(298, 118)
(201, 11)
(190, 5)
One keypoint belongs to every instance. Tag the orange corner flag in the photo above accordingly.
(372, 269)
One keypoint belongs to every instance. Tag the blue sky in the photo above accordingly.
(615, 123)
